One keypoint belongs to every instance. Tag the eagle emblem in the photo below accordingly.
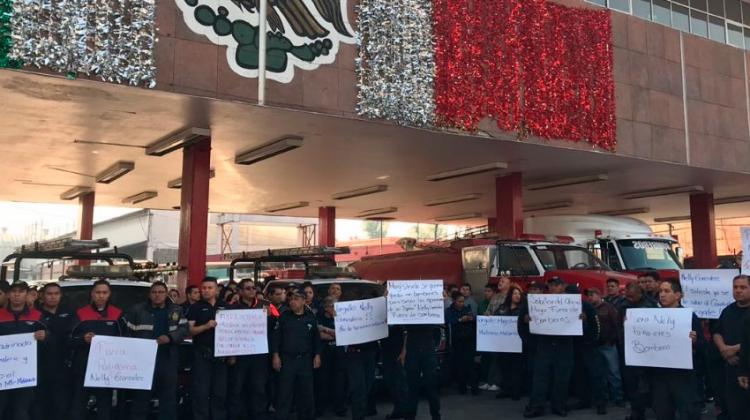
(300, 33)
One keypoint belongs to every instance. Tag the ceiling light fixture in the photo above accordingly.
(140, 197)
(732, 200)
(114, 172)
(360, 192)
(177, 183)
(177, 140)
(671, 219)
(472, 170)
(454, 199)
(286, 206)
(662, 191)
(75, 192)
(622, 212)
(375, 212)
(548, 206)
(565, 182)
(268, 150)
(462, 216)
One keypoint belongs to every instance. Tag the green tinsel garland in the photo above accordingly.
(6, 41)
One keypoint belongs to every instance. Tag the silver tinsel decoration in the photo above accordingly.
(113, 39)
(396, 66)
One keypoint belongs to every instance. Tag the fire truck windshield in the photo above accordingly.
(561, 257)
(638, 254)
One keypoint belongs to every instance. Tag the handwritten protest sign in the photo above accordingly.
(119, 362)
(17, 361)
(659, 338)
(555, 314)
(745, 233)
(707, 292)
(415, 302)
(498, 334)
(360, 321)
(241, 332)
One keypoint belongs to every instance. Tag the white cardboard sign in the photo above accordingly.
(498, 334)
(415, 302)
(555, 314)
(241, 332)
(17, 361)
(361, 321)
(120, 362)
(659, 338)
(745, 233)
(707, 292)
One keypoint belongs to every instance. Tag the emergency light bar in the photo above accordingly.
(61, 245)
(311, 251)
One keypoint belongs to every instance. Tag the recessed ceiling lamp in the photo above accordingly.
(176, 141)
(472, 170)
(376, 212)
(115, 172)
(140, 197)
(177, 183)
(671, 219)
(565, 182)
(462, 216)
(548, 206)
(286, 206)
(360, 192)
(75, 192)
(732, 200)
(662, 191)
(454, 199)
(268, 150)
(622, 212)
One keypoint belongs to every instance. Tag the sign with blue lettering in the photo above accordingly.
(498, 334)
(415, 302)
(659, 338)
(707, 292)
(555, 314)
(360, 321)
(122, 363)
(17, 361)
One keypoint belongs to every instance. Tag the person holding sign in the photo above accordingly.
(462, 329)
(209, 373)
(19, 318)
(420, 361)
(160, 320)
(295, 347)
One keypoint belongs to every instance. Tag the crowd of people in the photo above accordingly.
(306, 373)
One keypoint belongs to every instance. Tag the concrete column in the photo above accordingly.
(196, 161)
(327, 226)
(704, 230)
(86, 215)
(509, 206)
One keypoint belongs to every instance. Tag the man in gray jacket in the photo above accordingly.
(163, 321)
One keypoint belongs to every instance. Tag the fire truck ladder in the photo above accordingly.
(306, 255)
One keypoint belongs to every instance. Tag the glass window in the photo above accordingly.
(734, 10)
(642, 9)
(621, 5)
(661, 12)
(612, 258)
(698, 23)
(648, 254)
(747, 39)
(735, 36)
(716, 29)
(699, 4)
(716, 7)
(599, 2)
(558, 257)
(517, 260)
(680, 18)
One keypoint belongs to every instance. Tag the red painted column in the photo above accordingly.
(509, 206)
(196, 161)
(86, 215)
(327, 226)
(704, 230)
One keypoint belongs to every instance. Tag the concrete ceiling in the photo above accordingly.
(58, 133)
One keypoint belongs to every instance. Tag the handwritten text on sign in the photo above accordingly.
(707, 292)
(745, 233)
(415, 302)
(360, 321)
(659, 338)
(241, 332)
(17, 361)
(555, 314)
(498, 334)
(118, 362)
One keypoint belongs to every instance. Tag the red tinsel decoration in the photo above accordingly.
(529, 64)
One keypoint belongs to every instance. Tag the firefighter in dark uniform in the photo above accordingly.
(53, 389)
(160, 320)
(249, 375)
(209, 373)
(97, 318)
(18, 318)
(295, 350)
(420, 361)
(360, 363)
